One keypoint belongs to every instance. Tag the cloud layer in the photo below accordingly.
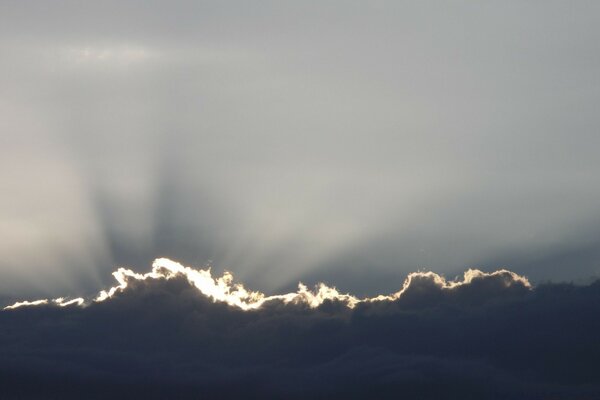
(177, 331)
(418, 286)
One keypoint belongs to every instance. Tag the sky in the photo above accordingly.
(299, 199)
(337, 141)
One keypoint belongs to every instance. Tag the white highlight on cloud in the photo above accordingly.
(220, 289)
(508, 278)
(224, 290)
(26, 304)
(59, 301)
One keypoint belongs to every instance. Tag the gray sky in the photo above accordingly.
(347, 141)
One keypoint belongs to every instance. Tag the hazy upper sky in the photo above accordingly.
(347, 141)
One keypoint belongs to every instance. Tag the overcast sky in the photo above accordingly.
(351, 142)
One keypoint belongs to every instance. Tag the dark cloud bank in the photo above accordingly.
(488, 336)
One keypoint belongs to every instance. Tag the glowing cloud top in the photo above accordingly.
(224, 290)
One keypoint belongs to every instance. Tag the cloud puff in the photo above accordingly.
(179, 330)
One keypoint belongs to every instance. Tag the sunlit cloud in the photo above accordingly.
(60, 301)
(223, 289)
(26, 303)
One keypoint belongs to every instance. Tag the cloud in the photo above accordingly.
(418, 287)
(60, 302)
(176, 328)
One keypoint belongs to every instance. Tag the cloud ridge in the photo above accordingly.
(223, 289)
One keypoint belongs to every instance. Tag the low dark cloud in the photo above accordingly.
(164, 335)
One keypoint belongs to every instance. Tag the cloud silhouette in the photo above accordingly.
(420, 288)
(177, 332)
